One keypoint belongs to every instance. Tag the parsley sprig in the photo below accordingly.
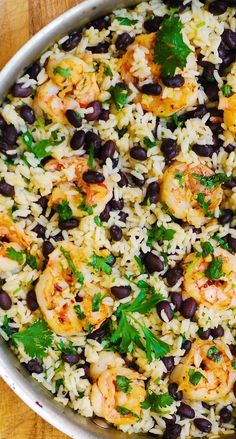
(40, 149)
(22, 256)
(214, 269)
(72, 266)
(64, 210)
(212, 181)
(157, 402)
(159, 234)
(36, 339)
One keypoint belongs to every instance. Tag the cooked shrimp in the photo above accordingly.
(72, 84)
(212, 361)
(13, 233)
(180, 188)
(57, 291)
(229, 107)
(106, 395)
(217, 294)
(70, 186)
(165, 104)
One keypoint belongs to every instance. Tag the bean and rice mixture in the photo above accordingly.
(117, 219)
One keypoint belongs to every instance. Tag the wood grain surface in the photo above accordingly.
(19, 20)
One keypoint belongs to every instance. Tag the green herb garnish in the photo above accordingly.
(67, 348)
(97, 298)
(40, 149)
(79, 312)
(156, 402)
(140, 264)
(36, 339)
(72, 266)
(119, 96)
(149, 143)
(22, 256)
(207, 249)
(100, 263)
(91, 164)
(159, 234)
(123, 383)
(227, 90)
(214, 354)
(83, 206)
(214, 269)
(212, 181)
(64, 210)
(195, 376)
(124, 411)
(97, 221)
(125, 21)
(63, 72)
(180, 178)
(170, 49)
(234, 365)
(108, 71)
(223, 243)
(204, 204)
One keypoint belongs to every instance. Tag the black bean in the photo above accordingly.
(98, 334)
(153, 190)
(206, 406)
(171, 420)
(102, 47)
(77, 140)
(95, 139)
(121, 292)
(93, 177)
(2, 122)
(7, 190)
(104, 115)
(33, 70)
(151, 89)
(123, 216)
(117, 204)
(40, 230)
(58, 237)
(232, 348)
(174, 392)
(116, 233)
(169, 363)
(152, 24)
(47, 248)
(203, 150)
(6, 149)
(105, 214)
(123, 182)
(101, 23)
(18, 91)
(204, 335)
(31, 300)
(203, 425)
(140, 182)
(123, 41)
(175, 4)
(72, 41)
(226, 217)
(70, 358)
(176, 299)
(232, 242)
(138, 153)
(173, 81)
(186, 345)
(227, 56)
(34, 366)
(27, 113)
(225, 415)
(68, 224)
(217, 332)
(164, 307)
(217, 7)
(200, 111)
(153, 263)
(107, 150)
(96, 107)
(74, 118)
(185, 411)
(10, 134)
(211, 91)
(188, 308)
(231, 183)
(230, 148)
(43, 202)
(172, 431)
(229, 38)
(154, 131)
(169, 148)
(5, 300)
(173, 275)
(208, 72)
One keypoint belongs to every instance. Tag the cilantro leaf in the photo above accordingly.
(18, 256)
(214, 269)
(140, 264)
(214, 354)
(83, 206)
(90, 163)
(31, 261)
(124, 411)
(223, 243)
(5, 326)
(212, 181)
(97, 221)
(63, 72)
(149, 143)
(123, 383)
(125, 336)
(234, 365)
(97, 298)
(156, 402)
(195, 376)
(204, 204)
(159, 234)
(125, 21)
(141, 303)
(36, 339)
(79, 312)
(154, 345)
(64, 210)
(119, 96)
(108, 71)
(72, 266)
(180, 178)
(100, 263)
(207, 249)
(170, 49)
(67, 348)
(177, 121)
(227, 90)
(39, 149)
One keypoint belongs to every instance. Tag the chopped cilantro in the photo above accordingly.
(72, 266)
(212, 181)
(97, 298)
(140, 264)
(223, 243)
(63, 72)
(170, 49)
(156, 402)
(18, 256)
(180, 178)
(125, 21)
(97, 221)
(234, 365)
(214, 354)
(124, 411)
(79, 312)
(159, 234)
(108, 71)
(5, 326)
(36, 339)
(207, 249)
(141, 304)
(149, 143)
(31, 261)
(119, 96)
(91, 164)
(123, 384)
(40, 149)
(154, 345)
(67, 348)
(195, 376)
(176, 119)
(227, 90)
(83, 206)
(214, 269)
(64, 210)
(204, 204)
(100, 263)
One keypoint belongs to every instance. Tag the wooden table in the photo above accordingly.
(19, 20)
